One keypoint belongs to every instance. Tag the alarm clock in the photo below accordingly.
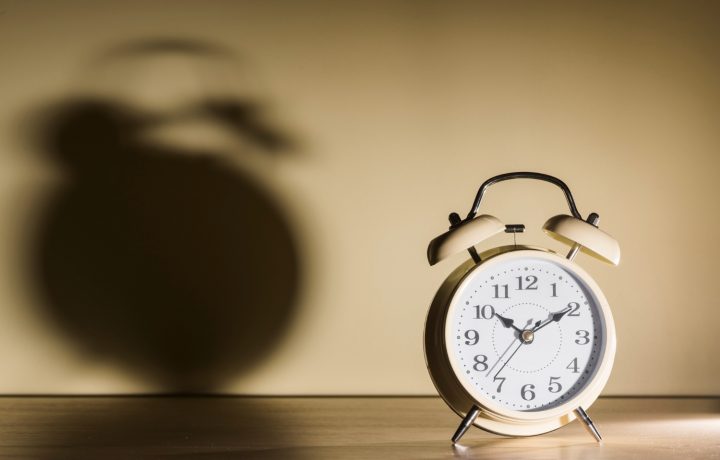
(520, 340)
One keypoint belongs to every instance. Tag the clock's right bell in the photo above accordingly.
(592, 240)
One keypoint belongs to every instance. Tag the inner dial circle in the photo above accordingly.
(492, 308)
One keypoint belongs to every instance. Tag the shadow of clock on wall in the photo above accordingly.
(160, 256)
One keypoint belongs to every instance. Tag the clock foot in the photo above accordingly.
(465, 424)
(589, 425)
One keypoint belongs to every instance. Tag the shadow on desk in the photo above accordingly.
(141, 427)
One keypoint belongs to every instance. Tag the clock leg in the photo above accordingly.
(465, 424)
(589, 425)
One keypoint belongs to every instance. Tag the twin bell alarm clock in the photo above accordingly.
(520, 340)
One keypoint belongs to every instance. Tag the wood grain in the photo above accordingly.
(330, 428)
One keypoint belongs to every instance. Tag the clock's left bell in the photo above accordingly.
(463, 236)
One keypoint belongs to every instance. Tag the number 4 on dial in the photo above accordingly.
(573, 366)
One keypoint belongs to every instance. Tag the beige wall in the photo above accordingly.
(402, 109)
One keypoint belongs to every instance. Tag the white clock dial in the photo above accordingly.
(528, 334)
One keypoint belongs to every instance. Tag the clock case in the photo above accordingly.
(583, 235)
(491, 417)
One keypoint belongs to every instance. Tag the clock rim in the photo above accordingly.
(498, 409)
(492, 417)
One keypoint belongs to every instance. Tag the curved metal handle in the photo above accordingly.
(523, 175)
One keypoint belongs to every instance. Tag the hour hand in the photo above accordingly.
(507, 322)
(557, 316)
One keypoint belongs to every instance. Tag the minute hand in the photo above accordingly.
(555, 317)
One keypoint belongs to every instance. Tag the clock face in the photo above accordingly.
(525, 333)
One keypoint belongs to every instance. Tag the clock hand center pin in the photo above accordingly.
(522, 342)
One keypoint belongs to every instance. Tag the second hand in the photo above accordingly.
(500, 358)
(508, 360)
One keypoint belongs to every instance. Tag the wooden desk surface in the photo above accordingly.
(334, 428)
